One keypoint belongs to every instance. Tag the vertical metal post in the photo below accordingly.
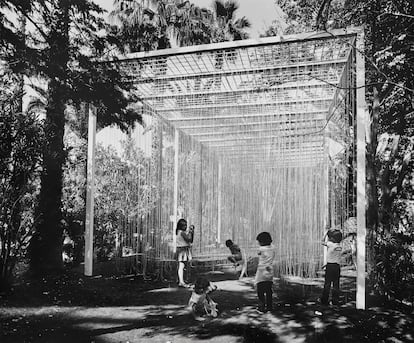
(175, 201)
(327, 204)
(362, 122)
(200, 203)
(326, 221)
(219, 185)
(90, 190)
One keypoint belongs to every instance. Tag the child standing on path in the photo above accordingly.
(184, 240)
(333, 266)
(264, 273)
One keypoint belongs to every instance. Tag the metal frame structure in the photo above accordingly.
(260, 104)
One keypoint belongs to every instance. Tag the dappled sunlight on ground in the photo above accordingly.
(133, 311)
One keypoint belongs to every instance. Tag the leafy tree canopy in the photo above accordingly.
(33, 53)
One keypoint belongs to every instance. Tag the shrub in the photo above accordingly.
(20, 154)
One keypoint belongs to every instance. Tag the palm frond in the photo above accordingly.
(231, 8)
(36, 105)
(242, 23)
(219, 8)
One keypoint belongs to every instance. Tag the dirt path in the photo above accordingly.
(158, 315)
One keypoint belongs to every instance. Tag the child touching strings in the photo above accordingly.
(332, 240)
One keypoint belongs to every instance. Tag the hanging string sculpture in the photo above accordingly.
(242, 138)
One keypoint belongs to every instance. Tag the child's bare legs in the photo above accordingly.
(211, 307)
(244, 270)
(181, 266)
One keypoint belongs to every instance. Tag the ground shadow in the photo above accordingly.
(78, 309)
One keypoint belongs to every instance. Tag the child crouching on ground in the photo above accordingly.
(236, 255)
(200, 303)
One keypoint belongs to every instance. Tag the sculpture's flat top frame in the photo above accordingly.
(252, 100)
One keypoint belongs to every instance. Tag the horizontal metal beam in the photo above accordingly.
(268, 151)
(335, 34)
(241, 117)
(289, 127)
(232, 72)
(271, 89)
(280, 156)
(287, 165)
(265, 149)
(217, 106)
(276, 162)
(287, 142)
(261, 138)
(287, 118)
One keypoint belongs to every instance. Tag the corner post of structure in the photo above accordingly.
(327, 220)
(90, 190)
(362, 124)
(200, 191)
(175, 201)
(219, 186)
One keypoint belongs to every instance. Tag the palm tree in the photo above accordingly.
(158, 24)
(228, 28)
(188, 24)
(138, 26)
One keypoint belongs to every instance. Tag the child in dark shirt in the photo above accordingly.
(236, 254)
(236, 258)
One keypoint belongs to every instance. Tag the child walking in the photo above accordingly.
(200, 302)
(264, 273)
(333, 266)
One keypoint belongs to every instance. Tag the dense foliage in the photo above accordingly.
(61, 47)
(20, 157)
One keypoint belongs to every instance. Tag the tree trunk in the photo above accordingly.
(46, 244)
(22, 33)
(372, 194)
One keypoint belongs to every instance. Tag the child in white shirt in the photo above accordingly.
(333, 266)
(264, 273)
